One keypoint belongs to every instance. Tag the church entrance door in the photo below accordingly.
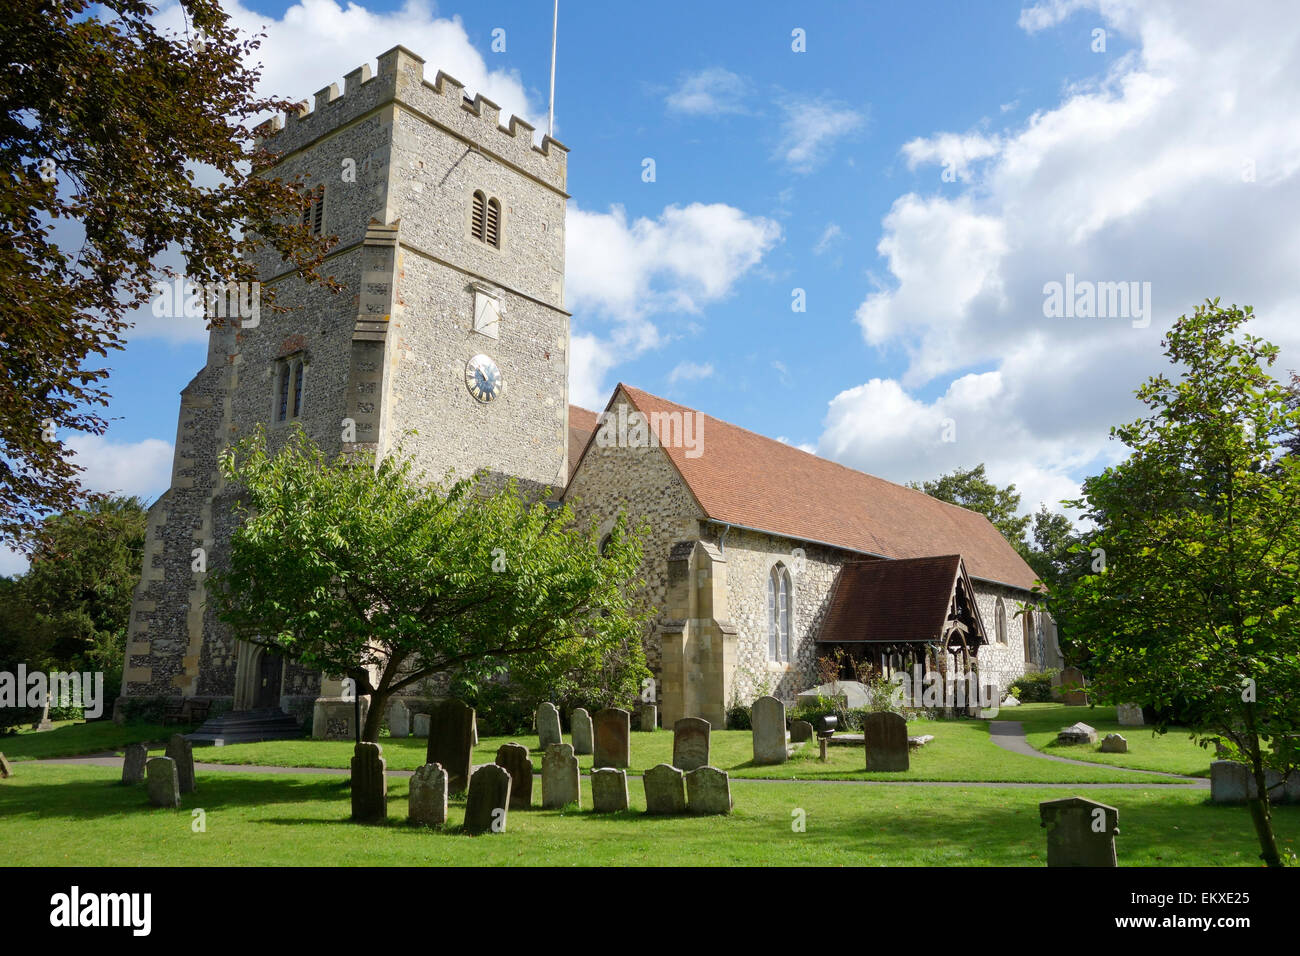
(269, 676)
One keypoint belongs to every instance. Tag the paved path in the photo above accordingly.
(1192, 783)
(1010, 735)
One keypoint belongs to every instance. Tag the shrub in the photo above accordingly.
(738, 717)
(1035, 688)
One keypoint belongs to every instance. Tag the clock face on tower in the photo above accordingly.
(483, 378)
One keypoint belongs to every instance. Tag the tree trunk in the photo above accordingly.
(1262, 816)
(375, 716)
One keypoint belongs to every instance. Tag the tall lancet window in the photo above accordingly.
(282, 405)
(779, 613)
(297, 388)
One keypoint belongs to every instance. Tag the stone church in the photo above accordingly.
(761, 557)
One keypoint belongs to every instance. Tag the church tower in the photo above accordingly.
(452, 326)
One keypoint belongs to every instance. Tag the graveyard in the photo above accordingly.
(962, 800)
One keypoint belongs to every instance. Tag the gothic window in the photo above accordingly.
(492, 231)
(297, 388)
(485, 219)
(290, 374)
(478, 215)
(313, 213)
(1027, 627)
(282, 405)
(1001, 616)
(780, 611)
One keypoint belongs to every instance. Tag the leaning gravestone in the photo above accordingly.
(164, 785)
(369, 785)
(137, 755)
(451, 740)
(708, 791)
(560, 777)
(427, 802)
(582, 733)
(514, 757)
(801, 730)
(649, 717)
(608, 790)
(548, 726)
(182, 751)
(1114, 744)
(6, 771)
(1072, 687)
(613, 733)
(665, 789)
(767, 717)
(690, 743)
(1079, 733)
(399, 719)
(488, 803)
(885, 735)
(420, 726)
(1080, 832)
(1129, 715)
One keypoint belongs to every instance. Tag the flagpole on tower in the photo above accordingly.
(555, 26)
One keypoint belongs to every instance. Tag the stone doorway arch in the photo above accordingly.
(259, 678)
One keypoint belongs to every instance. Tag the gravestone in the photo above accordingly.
(708, 791)
(608, 790)
(613, 732)
(1079, 733)
(1080, 832)
(137, 755)
(420, 726)
(583, 736)
(369, 785)
(164, 785)
(399, 719)
(1129, 715)
(1233, 782)
(767, 718)
(665, 789)
(451, 740)
(182, 751)
(649, 717)
(488, 803)
(560, 777)
(885, 736)
(548, 726)
(514, 757)
(691, 743)
(1072, 688)
(427, 802)
(801, 730)
(6, 771)
(1114, 744)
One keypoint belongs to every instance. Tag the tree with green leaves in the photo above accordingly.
(1197, 608)
(971, 488)
(119, 143)
(358, 567)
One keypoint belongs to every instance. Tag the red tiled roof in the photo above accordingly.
(581, 424)
(904, 601)
(746, 479)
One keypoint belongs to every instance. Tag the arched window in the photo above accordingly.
(478, 216)
(1027, 627)
(780, 611)
(1001, 620)
(282, 409)
(297, 388)
(492, 228)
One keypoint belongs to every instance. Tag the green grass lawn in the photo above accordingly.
(961, 751)
(73, 738)
(81, 816)
(1172, 752)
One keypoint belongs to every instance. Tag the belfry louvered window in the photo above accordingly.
(492, 228)
(478, 215)
(485, 219)
(313, 212)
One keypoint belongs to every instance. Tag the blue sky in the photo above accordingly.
(1171, 156)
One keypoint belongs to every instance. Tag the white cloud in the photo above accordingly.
(710, 92)
(802, 446)
(951, 151)
(809, 127)
(140, 468)
(12, 563)
(1138, 174)
(690, 372)
(831, 235)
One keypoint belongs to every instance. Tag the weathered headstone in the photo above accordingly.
(583, 736)
(369, 785)
(560, 777)
(1129, 715)
(164, 785)
(649, 717)
(801, 730)
(137, 755)
(613, 732)
(1072, 687)
(885, 736)
(548, 725)
(1114, 744)
(608, 790)
(691, 743)
(182, 751)
(6, 771)
(488, 803)
(708, 791)
(427, 802)
(399, 719)
(451, 740)
(1079, 733)
(1233, 782)
(420, 726)
(514, 757)
(1080, 832)
(767, 717)
(665, 789)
